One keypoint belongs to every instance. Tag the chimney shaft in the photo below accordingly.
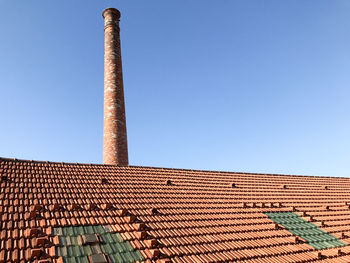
(115, 146)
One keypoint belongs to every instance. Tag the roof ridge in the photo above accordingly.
(175, 169)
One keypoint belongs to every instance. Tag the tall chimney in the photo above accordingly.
(115, 145)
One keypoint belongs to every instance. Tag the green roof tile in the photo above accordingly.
(68, 231)
(129, 257)
(313, 234)
(137, 255)
(119, 247)
(106, 248)
(99, 229)
(79, 230)
(116, 258)
(69, 260)
(58, 231)
(125, 259)
(62, 251)
(117, 237)
(71, 246)
(98, 258)
(83, 260)
(128, 246)
(87, 250)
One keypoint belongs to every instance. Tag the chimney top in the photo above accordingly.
(111, 10)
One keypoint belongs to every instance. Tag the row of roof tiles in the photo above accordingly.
(192, 216)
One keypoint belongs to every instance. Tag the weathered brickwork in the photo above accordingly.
(115, 147)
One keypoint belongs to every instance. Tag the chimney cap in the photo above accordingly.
(111, 10)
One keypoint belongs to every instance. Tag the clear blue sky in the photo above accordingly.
(252, 86)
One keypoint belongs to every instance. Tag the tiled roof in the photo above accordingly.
(58, 212)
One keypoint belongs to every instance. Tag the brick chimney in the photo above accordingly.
(115, 145)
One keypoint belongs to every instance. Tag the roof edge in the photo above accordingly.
(165, 168)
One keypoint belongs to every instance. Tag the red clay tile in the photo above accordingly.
(200, 218)
(2, 256)
(152, 253)
(35, 253)
(106, 206)
(150, 243)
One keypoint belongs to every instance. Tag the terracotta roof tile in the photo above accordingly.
(167, 215)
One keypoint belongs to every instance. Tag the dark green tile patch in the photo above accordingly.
(73, 250)
(313, 234)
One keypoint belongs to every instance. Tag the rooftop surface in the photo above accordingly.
(60, 212)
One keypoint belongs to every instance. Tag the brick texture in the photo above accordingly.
(115, 147)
